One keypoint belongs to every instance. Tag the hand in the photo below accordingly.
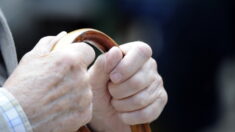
(135, 94)
(52, 86)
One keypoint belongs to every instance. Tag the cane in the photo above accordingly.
(103, 43)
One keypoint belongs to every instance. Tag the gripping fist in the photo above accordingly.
(127, 88)
(53, 86)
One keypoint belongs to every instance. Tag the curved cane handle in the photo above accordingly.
(103, 43)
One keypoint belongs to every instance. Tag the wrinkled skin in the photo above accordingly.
(135, 94)
(53, 87)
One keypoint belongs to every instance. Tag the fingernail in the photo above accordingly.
(115, 77)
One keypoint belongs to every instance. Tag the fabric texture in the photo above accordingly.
(12, 116)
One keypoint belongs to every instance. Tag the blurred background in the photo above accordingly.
(192, 40)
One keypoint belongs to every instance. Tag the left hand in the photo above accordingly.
(135, 94)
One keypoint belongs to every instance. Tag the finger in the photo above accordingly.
(106, 62)
(131, 63)
(141, 80)
(140, 100)
(113, 57)
(45, 45)
(55, 40)
(75, 55)
(103, 65)
(147, 114)
(85, 54)
(99, 74)
(128, 46)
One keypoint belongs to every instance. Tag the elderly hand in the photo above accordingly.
(52, 86)
(135, 94)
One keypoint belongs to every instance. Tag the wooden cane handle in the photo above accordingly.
(102, 42)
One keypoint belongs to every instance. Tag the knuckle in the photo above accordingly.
(152, 77)
(81, 79)
(145, 116)
(140, 101)
(163, 97)
(89, 50)
(153, 63)
(144, 48)
(159, 80)
(65, 58)
(136, 82)
(153, 88)
(43, 39)
(27, 56)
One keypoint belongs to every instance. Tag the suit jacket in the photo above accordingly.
(7, 49)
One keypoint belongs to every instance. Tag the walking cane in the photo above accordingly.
(103, 43)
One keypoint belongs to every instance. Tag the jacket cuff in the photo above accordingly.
(12, 116)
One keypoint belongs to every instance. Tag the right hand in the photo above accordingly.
(52, 86)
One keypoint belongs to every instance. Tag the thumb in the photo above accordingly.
(104, 64)
(45, 45)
